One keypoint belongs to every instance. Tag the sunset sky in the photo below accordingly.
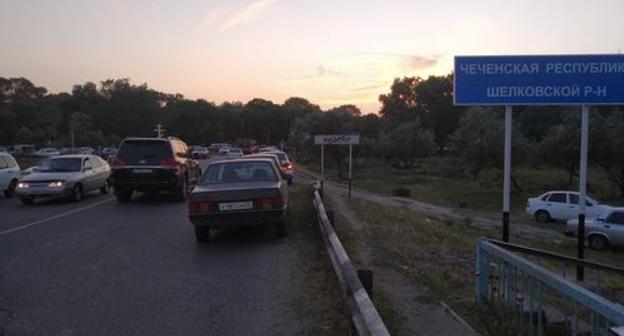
(330, 52)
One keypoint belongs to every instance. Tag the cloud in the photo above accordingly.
(373, 87)
(155, 11)
(321, 71)
(208, 21)
(247, 14)
(416, 62)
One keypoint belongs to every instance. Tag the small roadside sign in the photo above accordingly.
(337, 139)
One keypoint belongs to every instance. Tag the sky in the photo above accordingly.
(330, 52)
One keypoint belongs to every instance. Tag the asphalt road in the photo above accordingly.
(100, 267)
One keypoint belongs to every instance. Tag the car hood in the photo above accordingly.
(42, 176)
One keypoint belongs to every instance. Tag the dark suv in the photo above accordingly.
(153, 165)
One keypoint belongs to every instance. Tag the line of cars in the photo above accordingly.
(234, 192)
(604, 226)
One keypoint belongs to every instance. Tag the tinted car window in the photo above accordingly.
(239, 172)
(616, 218)
(3, 163)
(557, 197)
(574, 199)
(61, 165)
(144, 152)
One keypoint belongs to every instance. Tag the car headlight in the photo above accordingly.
(56, 184)
(22, 185)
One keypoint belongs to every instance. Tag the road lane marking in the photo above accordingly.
(61, 215)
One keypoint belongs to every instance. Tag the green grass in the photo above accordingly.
(441, 181)
(320, 300)
(439, 257)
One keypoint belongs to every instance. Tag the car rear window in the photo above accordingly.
(233, 172)
(144, 152)
(282, 156)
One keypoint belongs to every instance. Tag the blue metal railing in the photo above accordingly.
(543, 302)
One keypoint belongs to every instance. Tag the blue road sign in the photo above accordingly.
(539, 80)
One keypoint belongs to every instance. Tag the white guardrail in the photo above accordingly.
(364, 315)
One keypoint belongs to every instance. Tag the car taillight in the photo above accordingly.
(270, 203)
(288, 165)
(196, 207)
(173, 163)
(116, 163)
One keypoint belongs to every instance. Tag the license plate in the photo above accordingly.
(235, 206)
(142, 171)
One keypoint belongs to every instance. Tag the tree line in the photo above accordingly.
(417, 119)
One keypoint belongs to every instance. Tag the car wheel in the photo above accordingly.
(597, 242)
(123, 195)
(182, 192)
(28, 200)
(202, 233)
(105, 188)
(11, 189)
(542, 216)
(77, 193)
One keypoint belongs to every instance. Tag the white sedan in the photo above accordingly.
(562, 206)
(9, 174)
(604, 231)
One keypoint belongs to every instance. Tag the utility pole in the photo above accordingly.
(159, 130)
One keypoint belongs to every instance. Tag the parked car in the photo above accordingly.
(287, 174)
(561, 205)
(268, 149)
(223, 150)
(63, 176)
(108, 152)
(234, 153)
(285, 163)
(86, 150)
(240, 192)
(604, 231)
(47, 152)
(23, 150)
(9, 174)
(199, 152)
(153, 165)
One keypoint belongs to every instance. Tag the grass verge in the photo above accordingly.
(320, 302)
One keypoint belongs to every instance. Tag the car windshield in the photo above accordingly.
(233, 172)
(60, 165)
(144, 152)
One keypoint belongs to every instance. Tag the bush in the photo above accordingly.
(401, 192)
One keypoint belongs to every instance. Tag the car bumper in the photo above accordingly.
(43, 192)
(238, 219)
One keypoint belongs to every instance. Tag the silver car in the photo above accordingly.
(604, 231)
(241, 192)
(65, 176)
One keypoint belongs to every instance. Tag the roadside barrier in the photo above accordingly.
(516, 279)
(364, 315)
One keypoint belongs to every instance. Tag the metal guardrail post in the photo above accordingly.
(366, 278)
(364, 315)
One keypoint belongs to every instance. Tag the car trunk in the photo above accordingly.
(236, 191)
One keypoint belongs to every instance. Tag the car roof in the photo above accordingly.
(243, 159)
(72, 156)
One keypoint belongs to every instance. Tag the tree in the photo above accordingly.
(400, 104)
(480, 139)
(607, 145)
(409, 142)
(560, 145)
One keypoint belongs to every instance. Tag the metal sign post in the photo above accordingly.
(339, 139)
(350, 166)
(580, 274)
(507, 173)
(541, 80)
(322, 162)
